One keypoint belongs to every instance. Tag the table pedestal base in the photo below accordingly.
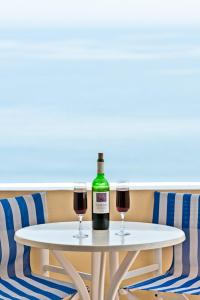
(117, 272)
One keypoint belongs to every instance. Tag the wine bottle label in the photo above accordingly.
(100, 167)
(100, 202)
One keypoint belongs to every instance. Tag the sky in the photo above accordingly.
(79, 77)
(103, 13)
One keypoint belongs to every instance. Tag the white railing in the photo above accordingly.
(70, 186)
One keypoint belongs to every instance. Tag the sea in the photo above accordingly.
(67, 93)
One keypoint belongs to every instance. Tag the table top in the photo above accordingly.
(59, 236)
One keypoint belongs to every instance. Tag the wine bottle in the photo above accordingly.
(100, 198)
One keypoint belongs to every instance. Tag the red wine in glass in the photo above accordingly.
(80, 207)
(123, 205)
(123, 200)
(80, 202)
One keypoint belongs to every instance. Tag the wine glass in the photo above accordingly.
(123, 205)
(80, 207)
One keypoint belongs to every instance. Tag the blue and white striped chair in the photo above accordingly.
(183, 277)
(17, 281)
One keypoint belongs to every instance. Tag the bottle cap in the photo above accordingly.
(100, 156)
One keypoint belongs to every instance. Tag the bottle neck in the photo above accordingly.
(100, 168)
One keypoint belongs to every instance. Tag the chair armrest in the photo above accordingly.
(141, 271)
(155, 267)
(60, 270)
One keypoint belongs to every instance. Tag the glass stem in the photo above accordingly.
(122, 214)
(80, 229)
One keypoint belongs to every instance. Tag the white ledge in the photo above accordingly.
(69, 186)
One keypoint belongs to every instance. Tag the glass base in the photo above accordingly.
(80, 236)
(122, 233)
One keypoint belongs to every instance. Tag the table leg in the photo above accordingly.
(102, 276)
(114, 265)
(117, 278)
(98, 275)
(72, 272)
(96, 262)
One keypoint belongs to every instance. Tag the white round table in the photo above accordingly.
(58, 237)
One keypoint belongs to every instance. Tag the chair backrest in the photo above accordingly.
(16, 213)
(181, 211)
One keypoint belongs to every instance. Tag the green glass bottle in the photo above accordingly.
(100, 198)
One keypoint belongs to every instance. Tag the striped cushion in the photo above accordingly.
(34, 287)
(17, 280)
(181, 211)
